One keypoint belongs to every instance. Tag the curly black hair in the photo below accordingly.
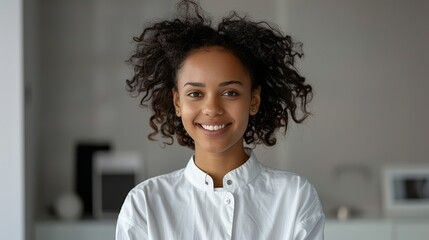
(268, 55)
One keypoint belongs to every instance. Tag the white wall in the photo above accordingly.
(12, 217)
(365, 59)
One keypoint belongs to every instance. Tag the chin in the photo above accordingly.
(218, 148)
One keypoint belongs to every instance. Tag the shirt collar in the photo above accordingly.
(231, 181)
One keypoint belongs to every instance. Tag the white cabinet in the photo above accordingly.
(378, 229)
(358, 230)
(416, 229)
(81, 230)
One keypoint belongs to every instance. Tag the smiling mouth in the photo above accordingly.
(213, 127)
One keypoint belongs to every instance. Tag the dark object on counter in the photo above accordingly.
(84, 153)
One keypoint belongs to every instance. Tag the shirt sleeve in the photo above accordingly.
(311, 229)
(311, 224)
(127, 230)
(132, 219)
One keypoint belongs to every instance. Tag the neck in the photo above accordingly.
(217, 165)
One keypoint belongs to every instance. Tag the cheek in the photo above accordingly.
(241, 111)
(188, 113)
(187, 107)
(245, 105)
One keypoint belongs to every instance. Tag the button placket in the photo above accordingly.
(228, 199)
(229, 209)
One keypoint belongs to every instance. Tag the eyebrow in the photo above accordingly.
(223, 84)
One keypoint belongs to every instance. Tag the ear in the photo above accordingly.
(176, 102)
(255, 101)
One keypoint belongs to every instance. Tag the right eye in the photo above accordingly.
(194, 94)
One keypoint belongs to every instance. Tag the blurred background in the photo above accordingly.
(366, 60)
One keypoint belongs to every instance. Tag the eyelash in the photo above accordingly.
(192, 94)
(230, 93)
(196, 94)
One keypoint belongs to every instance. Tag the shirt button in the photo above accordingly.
(229, 182)
(227, 201)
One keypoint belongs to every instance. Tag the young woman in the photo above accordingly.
(215, 90)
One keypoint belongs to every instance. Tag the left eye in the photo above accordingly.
(230, 93)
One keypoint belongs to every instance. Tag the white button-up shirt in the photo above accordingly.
(256, 202)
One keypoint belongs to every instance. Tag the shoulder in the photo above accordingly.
(297, 188)
(161, 182)
(285, 178)
(161, 186)
(137, 200)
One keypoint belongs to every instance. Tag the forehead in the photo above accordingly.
(213, 64)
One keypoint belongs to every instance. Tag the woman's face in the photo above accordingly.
(214, 99)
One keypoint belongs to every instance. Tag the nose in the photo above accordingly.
(212, 107)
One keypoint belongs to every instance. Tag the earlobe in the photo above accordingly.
(255, 101)
(176, 102)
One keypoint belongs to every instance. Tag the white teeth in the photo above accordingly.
(213, 127)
